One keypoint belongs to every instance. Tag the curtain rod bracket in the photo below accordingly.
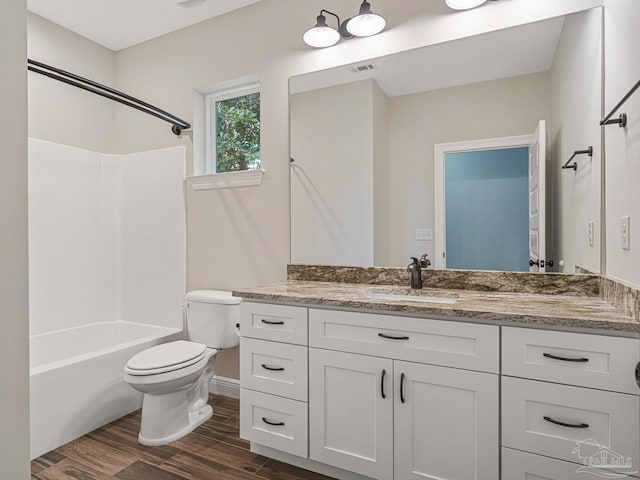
(574, 165)
(621, 121)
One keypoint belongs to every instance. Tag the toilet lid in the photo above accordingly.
(167, 355)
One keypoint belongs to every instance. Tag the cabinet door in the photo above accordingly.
(351, 412)
(446, 423)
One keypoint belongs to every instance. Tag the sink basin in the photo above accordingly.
(411, 298)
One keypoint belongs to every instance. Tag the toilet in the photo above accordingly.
(174, 377)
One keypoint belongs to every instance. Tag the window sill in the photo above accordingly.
(244, 178)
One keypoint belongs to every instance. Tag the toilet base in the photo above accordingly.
(195, 420)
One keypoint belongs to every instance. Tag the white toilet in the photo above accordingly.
(175, 376)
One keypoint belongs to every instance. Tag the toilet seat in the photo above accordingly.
(166, 358)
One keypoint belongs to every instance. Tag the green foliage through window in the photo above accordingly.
(238, 133)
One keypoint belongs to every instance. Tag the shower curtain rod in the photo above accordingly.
(177, 124)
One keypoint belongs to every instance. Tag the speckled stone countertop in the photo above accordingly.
(532, 309)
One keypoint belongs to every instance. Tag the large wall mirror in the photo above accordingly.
(455, 151)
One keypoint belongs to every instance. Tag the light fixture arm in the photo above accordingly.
(342, 27)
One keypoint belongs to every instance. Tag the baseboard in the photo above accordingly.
(228, 387)
(307, 464)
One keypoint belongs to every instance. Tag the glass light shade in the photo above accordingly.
(320, 37)
(366, 25)
(464, 4)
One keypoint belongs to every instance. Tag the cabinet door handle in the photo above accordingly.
(275, 424)
(273, 369)
(570, 425)
(393, 337)
(402, 388)
(272, 322)
(384, 372)
(566, 359)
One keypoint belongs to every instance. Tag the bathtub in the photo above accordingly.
(77, 378)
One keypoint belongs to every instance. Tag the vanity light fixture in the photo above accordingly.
(464, 4)
(322, 35)
(365, 24)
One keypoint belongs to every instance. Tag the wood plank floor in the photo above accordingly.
(213, 451)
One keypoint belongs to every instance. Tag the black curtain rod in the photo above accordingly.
(178, 125)
(622, 119)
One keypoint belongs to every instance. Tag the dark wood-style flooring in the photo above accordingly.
(213, 451)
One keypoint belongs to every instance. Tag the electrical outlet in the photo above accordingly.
(625, 233)
(591, 229)
(424, 234)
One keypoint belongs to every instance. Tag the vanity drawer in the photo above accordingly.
(597, 361)
(530, 408)
(275, 422)
(518, 465)
(280, 323)
(276, 368)
(437, 342)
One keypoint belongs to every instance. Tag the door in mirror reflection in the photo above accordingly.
(486, 209)
(490, 203)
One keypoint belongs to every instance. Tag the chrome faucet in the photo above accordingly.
(424, 260)
(416, 273)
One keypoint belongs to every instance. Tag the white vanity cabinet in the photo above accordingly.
(359, 395)
(273, 373)
(561, 403)
(388, 418)
(351, 414)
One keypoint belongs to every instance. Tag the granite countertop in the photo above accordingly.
(532, 309)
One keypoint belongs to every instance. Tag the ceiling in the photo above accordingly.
(505, 53)
(118, 24)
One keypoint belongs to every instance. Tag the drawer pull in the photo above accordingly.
(392, 337)
(273, 369)
(570, 425)
(565, 359)
(402, 387)
(275, 424)
(272, 322)
(384, 372)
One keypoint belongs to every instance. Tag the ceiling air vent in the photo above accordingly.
(363, 68)
(191, 3)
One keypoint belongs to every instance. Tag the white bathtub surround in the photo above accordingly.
(107, 276)
(107, 237)
(76, 378)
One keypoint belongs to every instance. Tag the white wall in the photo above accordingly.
(381, 192)
(14, 346)
(106, 237)
(576, 102)
(332, 176)
(497, 108)
(61, 113)
(622, 146)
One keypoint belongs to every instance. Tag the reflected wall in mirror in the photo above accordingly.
(367, 139)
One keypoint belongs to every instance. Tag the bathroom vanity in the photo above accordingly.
(364, 381)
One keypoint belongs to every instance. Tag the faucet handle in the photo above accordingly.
(424, 260)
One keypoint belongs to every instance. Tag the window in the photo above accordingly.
(233, 130)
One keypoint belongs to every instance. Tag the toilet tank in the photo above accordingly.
(212, 316)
